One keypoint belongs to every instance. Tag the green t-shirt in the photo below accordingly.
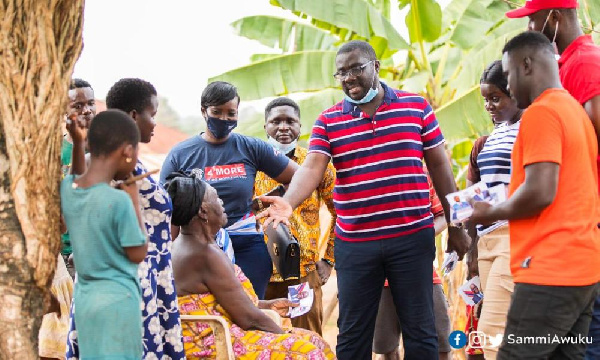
(66, 155)
(102, 222)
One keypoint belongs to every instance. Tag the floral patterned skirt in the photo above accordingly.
(199, 341)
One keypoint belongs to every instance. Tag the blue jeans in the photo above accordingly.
(593, 350)
(252, 256)
(362, 268)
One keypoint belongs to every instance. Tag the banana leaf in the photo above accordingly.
(277, 33)
(465, 116)
(345, 18)
(297, 72)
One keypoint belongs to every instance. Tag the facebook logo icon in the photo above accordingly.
(457, 339)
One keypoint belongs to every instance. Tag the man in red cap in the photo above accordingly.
(579, 63)
(579, 68)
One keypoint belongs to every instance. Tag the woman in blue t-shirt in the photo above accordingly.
(229, 163)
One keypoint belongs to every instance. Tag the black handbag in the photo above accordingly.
(282, 245)
(284, 250)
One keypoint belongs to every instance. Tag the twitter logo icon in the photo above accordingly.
(495, 341)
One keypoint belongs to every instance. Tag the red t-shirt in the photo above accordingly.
(580, 71)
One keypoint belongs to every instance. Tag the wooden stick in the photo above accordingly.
(140, 177)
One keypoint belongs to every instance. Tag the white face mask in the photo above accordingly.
(283, 148)
(556, 54)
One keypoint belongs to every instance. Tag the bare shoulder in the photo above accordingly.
(216, 260)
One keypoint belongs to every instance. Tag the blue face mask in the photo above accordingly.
(220, 129)
(282, 148)
(368, 97)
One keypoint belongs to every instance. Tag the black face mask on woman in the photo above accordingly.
(220, 128)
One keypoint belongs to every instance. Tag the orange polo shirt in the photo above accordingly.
(561, 245)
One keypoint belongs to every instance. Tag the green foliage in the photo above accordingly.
(589, 14)
(424, 21)
(348, 20)
(297, 72)
(473, 65)
(260, 57)
(383, 6)
(464, 117)
(447, 53)
(461, 152)
(474, 17)
(283, 34)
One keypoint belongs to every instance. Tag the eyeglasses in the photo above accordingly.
(354, 72)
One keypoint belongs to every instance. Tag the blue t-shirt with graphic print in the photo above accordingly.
(229, 167)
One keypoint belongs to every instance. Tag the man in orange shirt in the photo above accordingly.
(552, 210)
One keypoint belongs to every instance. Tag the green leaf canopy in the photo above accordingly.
(349, 19)
(464, 117)
(297, 72)
(424, 21)
(283, 34)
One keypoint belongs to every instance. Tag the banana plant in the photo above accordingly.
(443, 58)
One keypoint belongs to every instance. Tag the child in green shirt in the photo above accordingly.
(108, 240)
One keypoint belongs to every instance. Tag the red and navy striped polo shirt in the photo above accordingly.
(381, 190)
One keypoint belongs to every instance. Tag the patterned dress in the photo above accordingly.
(160, 315)
(53, 332)
(199, 341)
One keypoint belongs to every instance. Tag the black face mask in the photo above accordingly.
(220, 128)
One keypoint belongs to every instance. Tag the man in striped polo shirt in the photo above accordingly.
(377, 138)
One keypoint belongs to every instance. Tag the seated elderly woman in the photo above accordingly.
(208, 283)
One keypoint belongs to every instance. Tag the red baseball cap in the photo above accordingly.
(533, 6)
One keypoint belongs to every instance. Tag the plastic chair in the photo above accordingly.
(220, 328)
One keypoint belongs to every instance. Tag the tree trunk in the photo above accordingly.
(40, 41)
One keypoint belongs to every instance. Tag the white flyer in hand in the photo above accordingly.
(450, 262)
(471, 291)
(460, 209)
(300, 294)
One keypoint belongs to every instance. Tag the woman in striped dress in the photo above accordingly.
(490, 249)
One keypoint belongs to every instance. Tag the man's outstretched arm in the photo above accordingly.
(306, 179)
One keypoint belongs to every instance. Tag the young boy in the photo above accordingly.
(108, 239)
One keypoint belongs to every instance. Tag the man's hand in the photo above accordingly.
(458, 241)
(281, 306)
(324, 270)
(77, 128)
(278, 211)
(483, 213)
